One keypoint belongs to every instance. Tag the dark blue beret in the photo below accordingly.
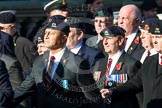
(156, 28)
(55, 4)
(148, 23)
(57, 22)
(113, 31)
(7, 17)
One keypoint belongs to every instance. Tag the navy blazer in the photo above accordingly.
(90, 54)
(6, 93)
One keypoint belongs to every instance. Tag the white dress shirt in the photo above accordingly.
(160, 58)
(58, 57)
(152, 52)
(76, 49)
(115, 59)
(130, 39)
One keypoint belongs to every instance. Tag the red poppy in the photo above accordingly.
(161, 60)
(119, 65)
(136, 41)
(161, 63)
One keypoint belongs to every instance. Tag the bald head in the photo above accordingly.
(133, 10)
(129, 18)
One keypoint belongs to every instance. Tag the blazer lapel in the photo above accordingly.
(102, 66)
(61, 66)
(45, 59)
(135, 43)
(119, 64)
(82, 50)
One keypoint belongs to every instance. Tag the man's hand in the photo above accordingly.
(105, 93)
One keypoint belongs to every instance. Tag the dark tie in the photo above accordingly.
(49, 71)
(148, 53)
(109, 64)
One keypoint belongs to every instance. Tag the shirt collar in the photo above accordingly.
(153, 51)
(76, 49)
(58, 55)
(115, 59)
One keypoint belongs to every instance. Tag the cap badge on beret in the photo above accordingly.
(53, 25)
(157, 30)
(101, 13)
(106, 33)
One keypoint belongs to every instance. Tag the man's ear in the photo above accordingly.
(80, 35)
(64, 39)
(137, 21)
(121, 41)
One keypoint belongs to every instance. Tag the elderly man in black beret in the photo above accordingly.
(146, 39)
(148, 79)
(117, 67)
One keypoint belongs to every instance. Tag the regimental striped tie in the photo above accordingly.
(148, 53)
(49, 71)
(109, 62)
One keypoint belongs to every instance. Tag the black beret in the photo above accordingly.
(76, 23)
(7, 17)
(113, 31)
(149, 4)
(148, 23)
(55, 4)
(156, 28)
(104, 12)
(57, 22)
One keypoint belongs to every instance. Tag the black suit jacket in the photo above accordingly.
(148, 79)
(129, 66)
(90, 54)
(72, 68)
(6, 93)
(138, 54)
(135, 45)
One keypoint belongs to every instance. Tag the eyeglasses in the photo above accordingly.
(100, 21)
